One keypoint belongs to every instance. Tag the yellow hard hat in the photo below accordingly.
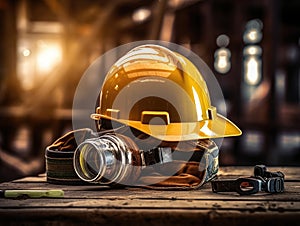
(161, 93)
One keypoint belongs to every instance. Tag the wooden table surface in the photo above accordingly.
(96, 205)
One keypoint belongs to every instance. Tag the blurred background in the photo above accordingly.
(251, 46)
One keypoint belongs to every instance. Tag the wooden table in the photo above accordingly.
(95, 205)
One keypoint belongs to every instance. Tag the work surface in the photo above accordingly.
(95, 205)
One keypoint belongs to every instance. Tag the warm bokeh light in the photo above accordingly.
(36, 59)
(252, 64)
(253, 33)
(26, 52)
(222, 60)
(253, 50)
(252, 36)
(252, 70)
(49, 55)
(141, 15)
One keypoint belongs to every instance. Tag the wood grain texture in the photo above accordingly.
(96, 205)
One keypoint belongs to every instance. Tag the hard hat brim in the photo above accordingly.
(205, 129)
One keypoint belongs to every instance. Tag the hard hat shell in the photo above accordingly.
(161, 93)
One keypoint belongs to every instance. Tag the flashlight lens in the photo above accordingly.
(91, 161)
(105, 159)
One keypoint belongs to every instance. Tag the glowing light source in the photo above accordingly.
(252, 70)
(222, 55)
(252, 64)
(48, 56)
(36, 59)
(222, 60)
(252, 52)
(26, 52)
(252, 36)
(253, 32)
(140, 15)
